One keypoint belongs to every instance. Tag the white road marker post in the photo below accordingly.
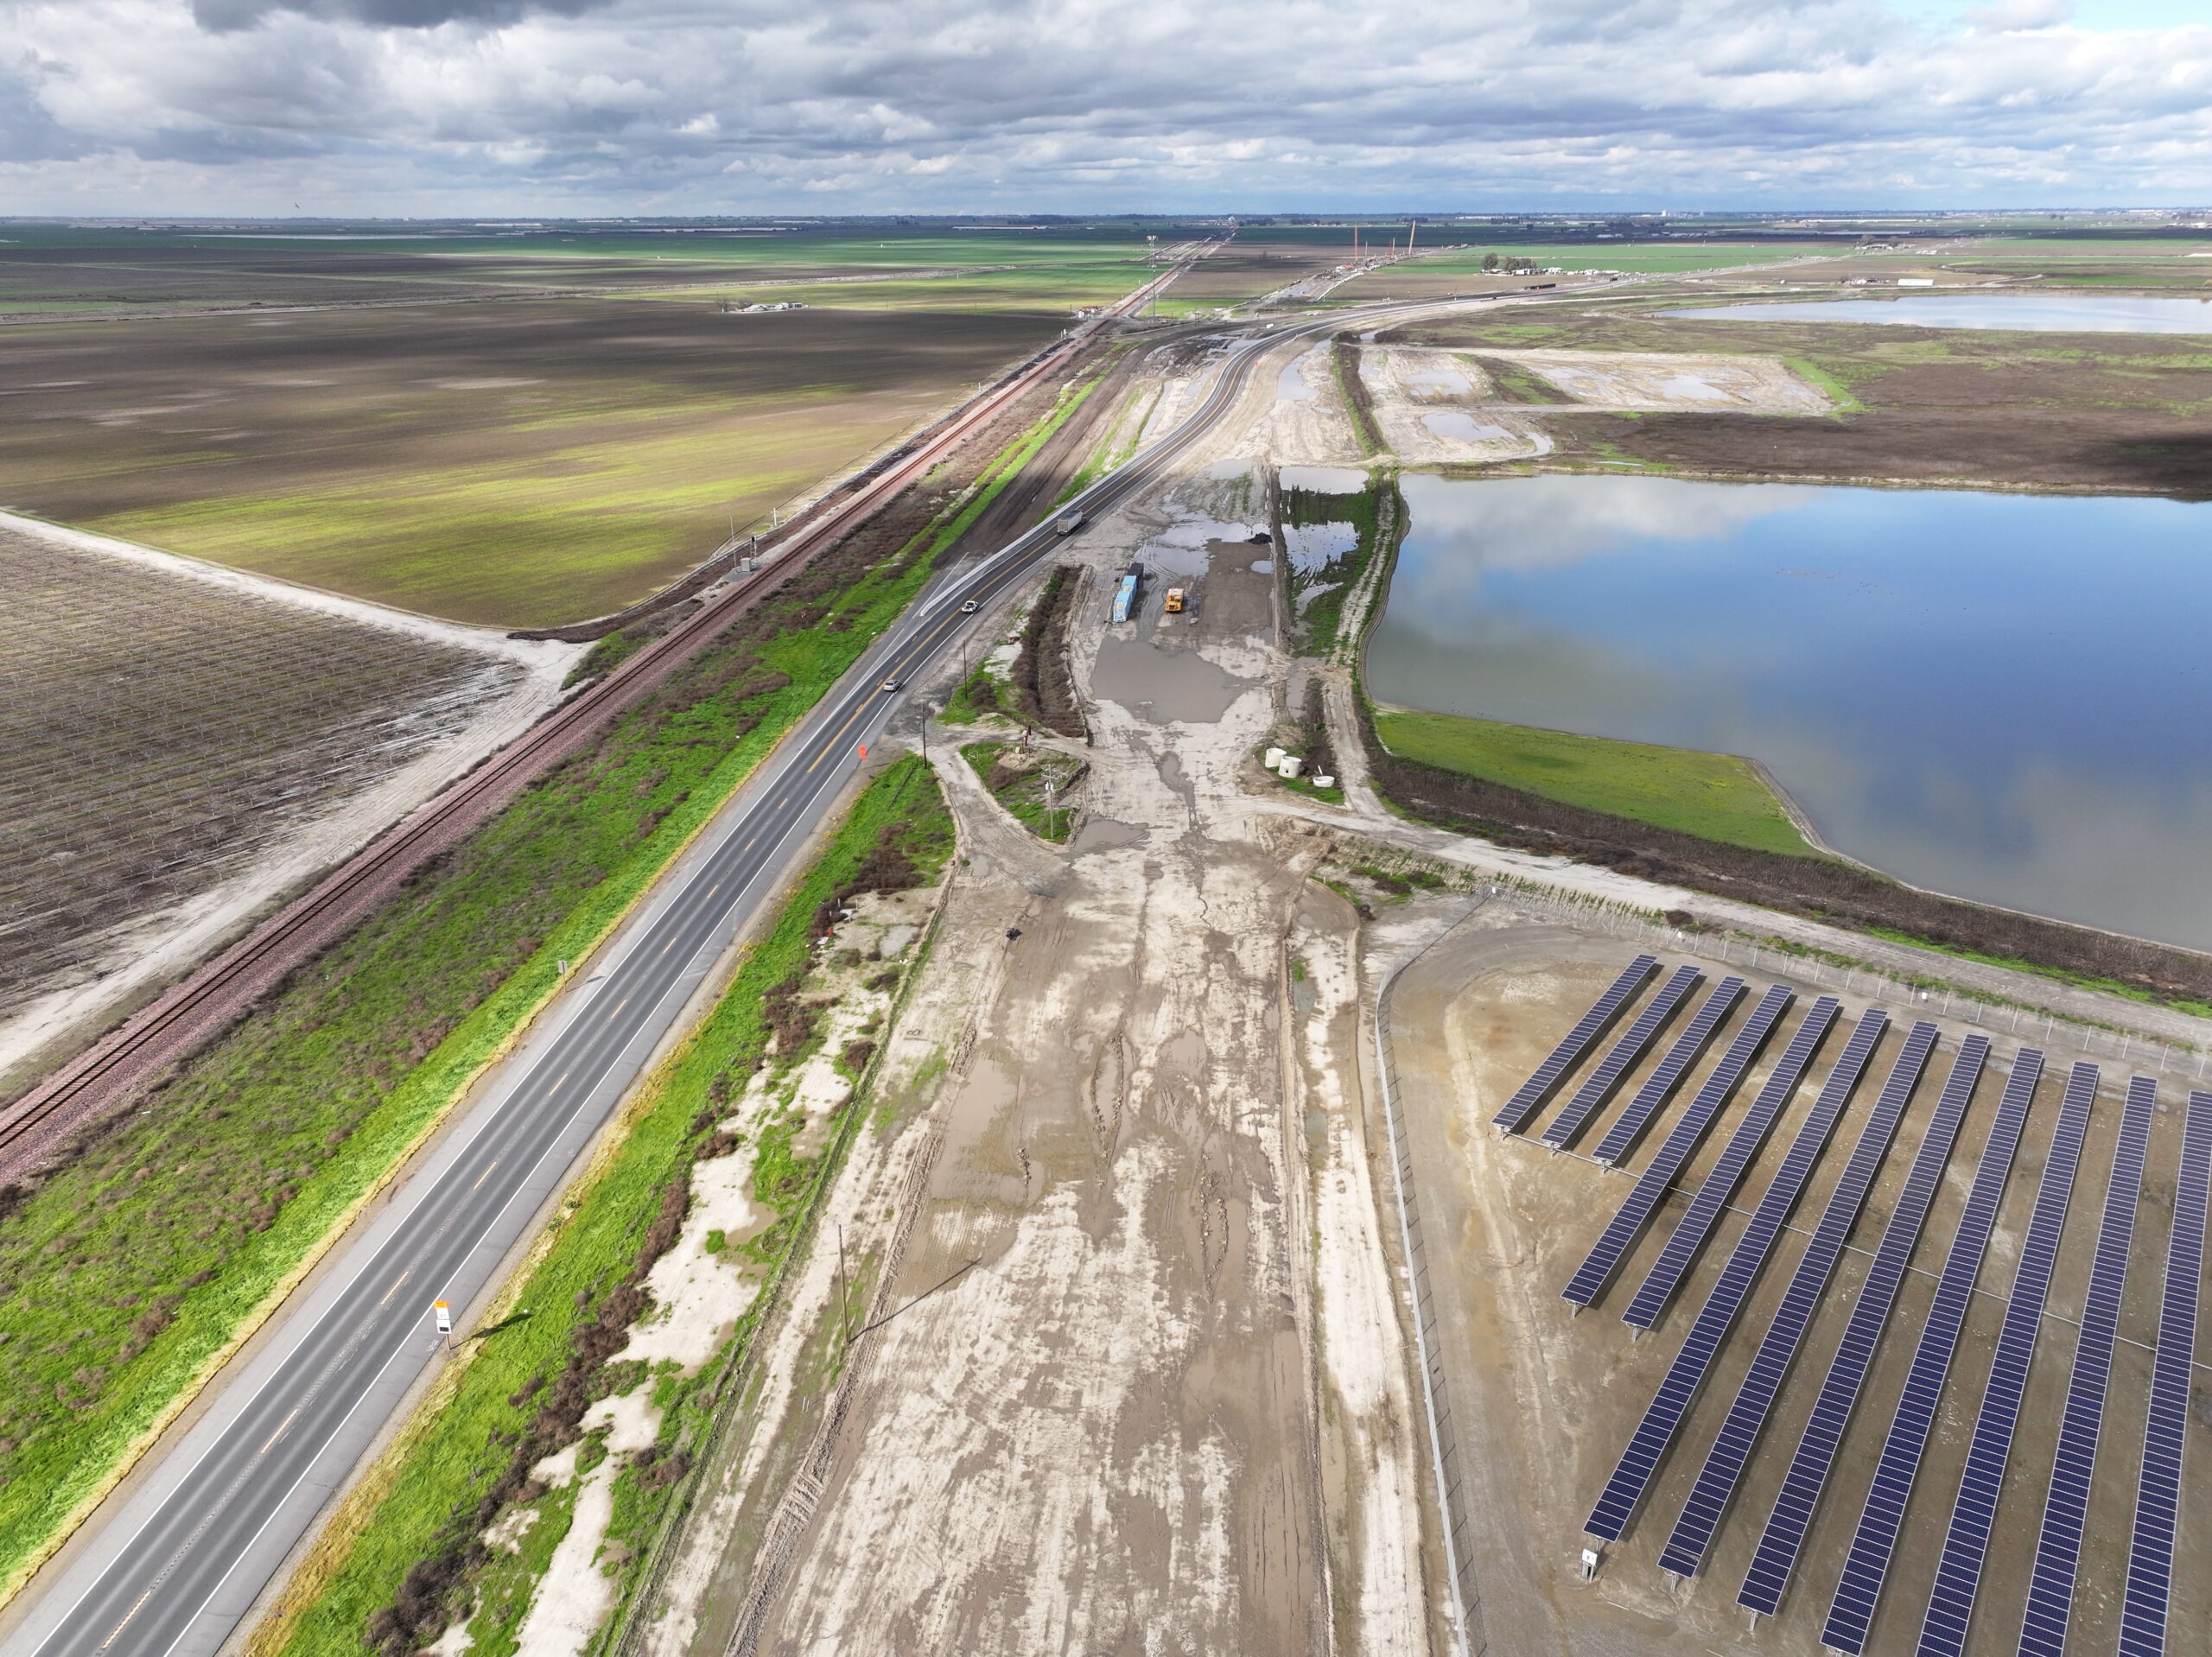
(443, 1314)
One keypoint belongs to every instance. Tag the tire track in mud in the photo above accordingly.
(795, 1509)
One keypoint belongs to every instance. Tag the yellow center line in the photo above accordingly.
(127, 1615)
(836, 738)
(486, 1174)
(394, 1289)
(281, 1425)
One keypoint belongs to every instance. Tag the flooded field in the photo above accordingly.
(1997, 696)
(2032, 313)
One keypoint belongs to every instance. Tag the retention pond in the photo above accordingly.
(2006, 697)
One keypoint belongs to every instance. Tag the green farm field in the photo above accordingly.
(520, 464)
(1454, 270)
(1715, 794)
(125, 1271)
(516, 428)
(72, 271)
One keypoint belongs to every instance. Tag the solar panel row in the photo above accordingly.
(1659, 1086)
(1618, 1503)
(1596, 1093)
(1536, 1092)
(2058, 1548)
(1718, 1187)
(1604, 1259)
(1966, 1545)
(1873, 1544)
(1784, 1539)
(1731, 1452)
(2157, 1499)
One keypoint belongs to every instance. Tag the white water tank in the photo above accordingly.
(1322, 781)
(1292, 764)
(1272, 759)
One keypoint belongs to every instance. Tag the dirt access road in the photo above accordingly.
(1167, 1410)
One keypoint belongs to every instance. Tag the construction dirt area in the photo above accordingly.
(1142, 1386)
(1104, 1344)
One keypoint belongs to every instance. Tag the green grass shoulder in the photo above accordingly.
(433, 1506)
(1719, 797)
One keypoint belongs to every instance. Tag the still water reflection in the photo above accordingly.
(2030, 312)
(2002, 696)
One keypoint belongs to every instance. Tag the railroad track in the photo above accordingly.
(197, 1007)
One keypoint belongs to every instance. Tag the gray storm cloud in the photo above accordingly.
(228, 14)
(847, 105)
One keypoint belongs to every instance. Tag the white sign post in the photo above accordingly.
(443, 1313)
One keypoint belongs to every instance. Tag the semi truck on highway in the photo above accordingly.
(1069, 521)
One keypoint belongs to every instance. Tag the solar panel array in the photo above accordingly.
(2158, 1500)
(1598, 1267)
(1594, 1094)
(1714, 1192)
(1966, 1545)
(1647, 1445)
(2058, 1548)
(1724, 1464)
(1536, 1092)
(1659, 1086)
(1848, 1624)
(1851, 1614)
(1785, 1536)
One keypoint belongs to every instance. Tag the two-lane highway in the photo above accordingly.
(181, 1561)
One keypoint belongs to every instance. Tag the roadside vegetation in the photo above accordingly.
(129, 1271)
(1717, 796)
(1033, 786)
(418, 1558)
(1036, 688)
(1358, 401)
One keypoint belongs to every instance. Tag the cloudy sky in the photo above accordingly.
(437, 107)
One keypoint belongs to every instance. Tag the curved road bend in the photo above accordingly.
(179, 1565)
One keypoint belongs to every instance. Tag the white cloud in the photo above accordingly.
(537, 105)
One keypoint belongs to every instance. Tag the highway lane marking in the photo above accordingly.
(281, 1426)
(410, 1271)
(486, 1175)
(1128, 479)
(306, 1334)
(127, 1615)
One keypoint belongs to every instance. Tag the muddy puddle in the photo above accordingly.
(1105, 834)
(1437, 379)
(1463, 428)
(1163, 686)
(1294, 384)
(1326, 479)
